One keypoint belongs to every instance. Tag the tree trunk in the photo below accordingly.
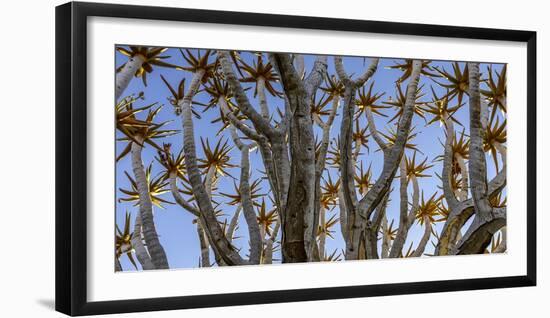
(260, 87)
(268, 257)
(256, 240)
(118, 267)
(487, 220)
(156, 251)
(233, 223)
(203, 243)
(298, 233)
(126, 74)
(322, 236)
(464, 173)
(215, 234)
(425, 238)
(137, 243)
(478, 165)
(501, 248)
(406, 218)
(386, 239)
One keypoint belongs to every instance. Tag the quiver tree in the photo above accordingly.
(141, 60)
(314, 136)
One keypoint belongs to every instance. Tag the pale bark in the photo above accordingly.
(221, 245)
(455, 221)
(268, 257)
(393, 155)
(209, 180)
(392, 158)
(322, 235)
(355, 221)
(425, 238)
(247, 131)
(254, 231)
(464, 174)
(479, 234)
(478, 165)
(123, 78)
(484, 113)
(460, 212)
(118, 267)
(406, 217)
(312, 83)
(137, 243)
(386, 239)
(343, 214)
(373, 131)
(204, 246)
(275, 155)
(347, 173)
(298, 220)
(156, 251)
(248, 209)
(178, 198)
(501, 248)
(321, 160)
(299, 64)
(233, 223)
(260, 88)
(502, 150)
(447, 164)
(260, 123)
(373, 228)
(487, 220)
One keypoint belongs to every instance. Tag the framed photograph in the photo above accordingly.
(208, 158)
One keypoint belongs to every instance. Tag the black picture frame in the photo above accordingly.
(71, 157)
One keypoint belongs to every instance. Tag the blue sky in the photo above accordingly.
(177, 232)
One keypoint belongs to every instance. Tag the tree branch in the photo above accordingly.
(208, 216)
(260, 123)
(298, 220)
(156, 251)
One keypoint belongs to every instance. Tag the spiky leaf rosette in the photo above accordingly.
(135, 129)
(428, 209)
(217, 158)
(391, 136)
(416, 170)
(236, 196)
(326, 228)
(363, 179)
(407, 66)
(400, 100)
(368, 99)
(266, 218)
(495, 133)
(496, 92)
(199, 62)
(458, 81)
(330, 191)
(334, 88)
(171, 163)
(260, 69)
(156, 187)
(440, 109)
(123, 240)
(151, 56)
